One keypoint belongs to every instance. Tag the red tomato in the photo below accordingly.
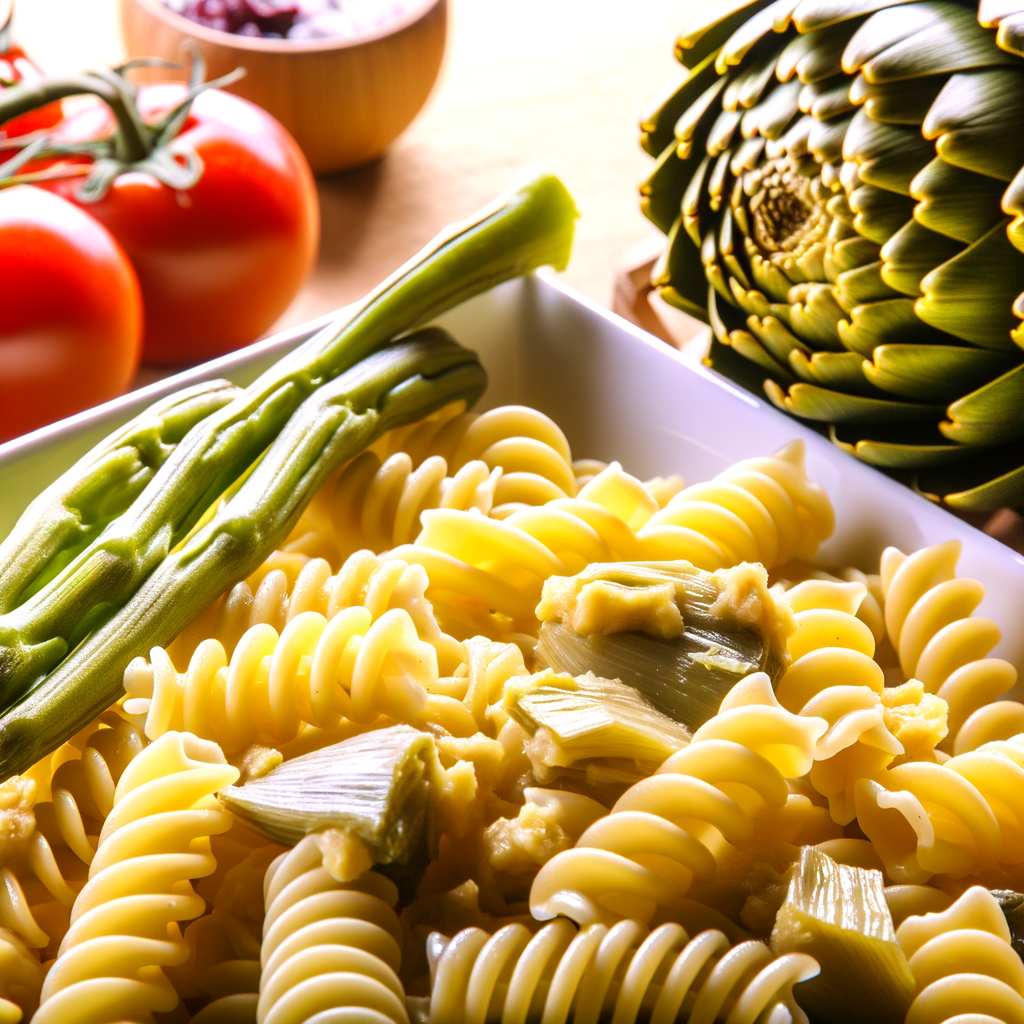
(70, 315)
(16, 67)
(220, 262)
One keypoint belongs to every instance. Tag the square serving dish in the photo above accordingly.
(618, 393)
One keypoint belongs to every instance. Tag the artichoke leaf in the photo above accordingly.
(751, 32)
(919, 39)
(889, 321)
(838, 914)
(814, 14)
(663, 628)
(663, 190)
(971, 296)
(707, 30)
(879, 213)
(809, 401)
(747, 88)
(955, 202)
(888, 156)
(862, 284)
(991, 479)
(825, 139)
(695, 202)
(828, 98)
(933, 373)
(658, 122)
(680, 265)
(911, 253)
(993, 414)
(897, 102)
(901, 448)
(841, 370)
(373, 786)
(773, 114)
(978, 121)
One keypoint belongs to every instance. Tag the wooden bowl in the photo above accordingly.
(344, 99)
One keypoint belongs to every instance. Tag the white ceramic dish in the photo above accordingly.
(618, 393)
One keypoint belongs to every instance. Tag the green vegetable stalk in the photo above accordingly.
(400, 384)
(75, 509)
(530, 226)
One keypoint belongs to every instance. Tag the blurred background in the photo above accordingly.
(556, 82)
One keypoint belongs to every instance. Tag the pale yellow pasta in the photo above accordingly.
(674, 826)
(833, 676)
(622, 974)
(957, 818)
(329, 946)
(21, 978)
(125, 921)
(759, 510)
(963, 964)
(364, 661)
(930, 621)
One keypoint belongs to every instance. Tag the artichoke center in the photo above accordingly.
(785, 215)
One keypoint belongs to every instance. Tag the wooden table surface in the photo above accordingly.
(560, 83)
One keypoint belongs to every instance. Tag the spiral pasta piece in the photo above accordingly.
(759, 510)
(329, 945)
(674, 826)
(486, 574)
(21, 978)
(964, 966)
(956, 818)
(621, 974)
(124, 923)
(356, 662)
(832, 676)
(929, 616)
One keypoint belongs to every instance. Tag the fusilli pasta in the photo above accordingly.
(832, 676)
(640, 857)
(760, 510)
(329, 946)
(623, 974)
(963, 964)
(930, 621)
(21, 978)
(956, 818)
(124, 923)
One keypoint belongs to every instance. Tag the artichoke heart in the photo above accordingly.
(599, 733)
(838, 914)
(679, 635)
(1012, 905)
(374, 787)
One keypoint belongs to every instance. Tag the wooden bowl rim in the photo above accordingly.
(229, 40)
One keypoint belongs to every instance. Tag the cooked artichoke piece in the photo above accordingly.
(374, 787)
(838, 914)
(1012, 905)
(681, 636)
(600, 733)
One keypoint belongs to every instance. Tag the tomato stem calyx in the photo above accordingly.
(135, 144)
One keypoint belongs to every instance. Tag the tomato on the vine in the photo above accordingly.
(70, 313)
(16, 68)
(218, 261)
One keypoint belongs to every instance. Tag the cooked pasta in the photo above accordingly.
(125, 921)
(623, 974)
(956, 819)
(21, 978)
(672, 827)
(930, 621)
(833, 676)
(329, 945)
(963, 964)
(760, 510)
(361, 663)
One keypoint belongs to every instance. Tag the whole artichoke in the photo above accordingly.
(842, 186)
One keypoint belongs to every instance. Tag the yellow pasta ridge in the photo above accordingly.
(645, 854)
(328, 944)
(621, 973)
(21, 979)
(929, 616)
(357, 662)
(759, 510)
(124, 923)
(963, 963)
(956, 819)
(833, 676)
